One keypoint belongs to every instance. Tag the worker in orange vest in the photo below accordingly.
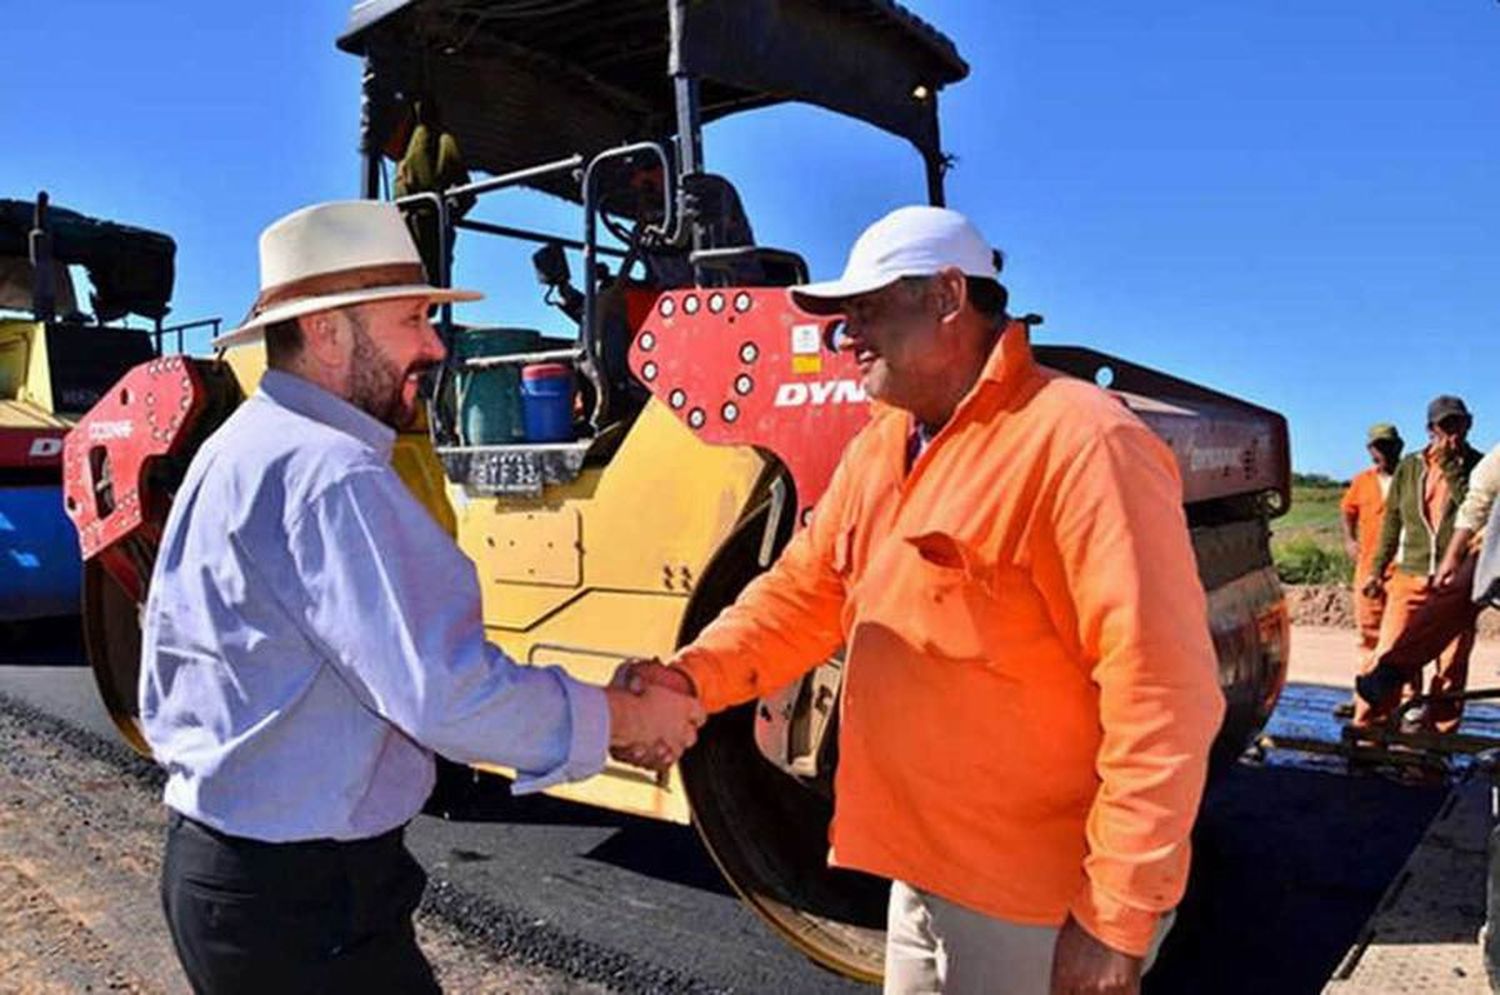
(1363, 509)
(1030, 687)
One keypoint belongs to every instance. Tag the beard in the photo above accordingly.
(376, 385)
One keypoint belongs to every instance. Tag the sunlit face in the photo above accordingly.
(894, 334)
(393, 345)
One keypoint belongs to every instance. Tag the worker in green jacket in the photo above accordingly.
(1425, 494)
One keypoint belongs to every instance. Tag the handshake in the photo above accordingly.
(654, 714)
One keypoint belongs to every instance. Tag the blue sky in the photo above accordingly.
(1294, 201)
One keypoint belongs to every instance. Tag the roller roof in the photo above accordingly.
(520, 82)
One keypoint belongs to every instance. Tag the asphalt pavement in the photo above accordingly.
(1290, 860)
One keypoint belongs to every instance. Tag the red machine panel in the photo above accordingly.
(745, 366)
(145, 416)
(31, 448)
(1220, 450)
(1224, 446)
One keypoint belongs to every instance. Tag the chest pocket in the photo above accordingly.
(943, 599)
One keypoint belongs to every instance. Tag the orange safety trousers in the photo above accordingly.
(1368, 612)
(1425, 623)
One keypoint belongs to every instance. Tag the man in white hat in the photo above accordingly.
(1030, 686)
(312, 638)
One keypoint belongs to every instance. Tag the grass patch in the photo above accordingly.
(1307, 543)
(1307, 561)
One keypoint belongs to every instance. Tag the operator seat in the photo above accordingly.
(726, 256)
(726, 237)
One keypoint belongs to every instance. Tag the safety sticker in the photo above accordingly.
(805, 340)
(807, 351)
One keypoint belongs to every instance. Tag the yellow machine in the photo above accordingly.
(55, 362)
(708, 412)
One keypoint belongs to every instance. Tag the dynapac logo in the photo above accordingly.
(104, 431)
(1215, 458)
(45, 448)
(797, 394)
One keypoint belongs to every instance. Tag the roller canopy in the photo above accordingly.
(132, 269)
(519, 82)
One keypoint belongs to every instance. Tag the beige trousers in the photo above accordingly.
(933, 945)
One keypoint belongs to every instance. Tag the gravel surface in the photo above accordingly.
(625, 903)
(80, 845)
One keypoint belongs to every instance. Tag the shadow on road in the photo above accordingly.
(1288, 865)
(659, 850)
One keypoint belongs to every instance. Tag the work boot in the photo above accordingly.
(1415, 720)
(1380, 684)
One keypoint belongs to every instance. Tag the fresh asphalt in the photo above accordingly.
(1290, 860)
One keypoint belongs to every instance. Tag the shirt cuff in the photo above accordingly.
(703, 669)
(588, 730)
(1126, 928)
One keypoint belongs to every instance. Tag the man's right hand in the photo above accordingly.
(1454, 560)
(1085, 965)
(654, 714)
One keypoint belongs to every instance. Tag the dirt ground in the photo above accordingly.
(1332, 605)
(80, 848)
(1330, 656)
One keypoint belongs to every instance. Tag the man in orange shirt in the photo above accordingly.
(1030, 687)
(1363, 508)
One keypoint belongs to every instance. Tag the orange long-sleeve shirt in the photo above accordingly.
(1364, 501)
(1030, 686)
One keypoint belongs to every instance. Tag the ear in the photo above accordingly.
(325, 337)
(952, 290)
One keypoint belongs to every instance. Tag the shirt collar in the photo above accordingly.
(311, 401)
(1011, 358)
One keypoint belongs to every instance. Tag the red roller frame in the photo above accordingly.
(745, 366)
(145, 416)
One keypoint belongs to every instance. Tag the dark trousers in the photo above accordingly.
(1489, 936)
(308, 917)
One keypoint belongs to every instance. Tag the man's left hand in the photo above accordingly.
(1083, 965)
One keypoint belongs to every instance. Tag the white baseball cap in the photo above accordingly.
(910, 241)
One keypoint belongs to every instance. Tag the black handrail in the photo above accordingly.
(162, 331)
(670, 229)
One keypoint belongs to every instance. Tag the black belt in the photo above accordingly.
(375, 846)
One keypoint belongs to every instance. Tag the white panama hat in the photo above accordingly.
(910, 241)
(333, 255)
